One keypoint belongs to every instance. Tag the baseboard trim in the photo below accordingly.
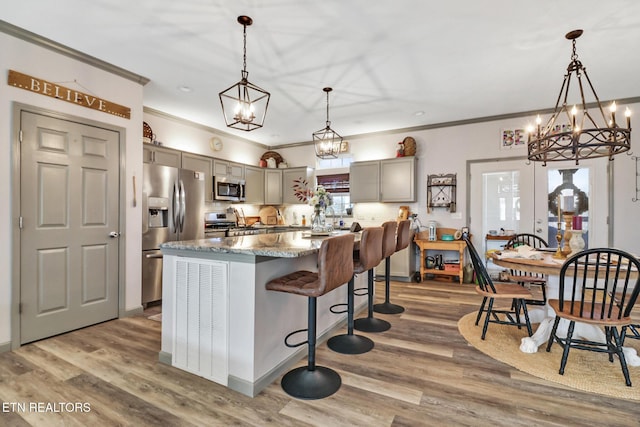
(133, 312)
(164, 357)
(4, 347)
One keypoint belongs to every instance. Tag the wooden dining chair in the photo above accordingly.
(515, 294)
(524, 278)
(598, 287)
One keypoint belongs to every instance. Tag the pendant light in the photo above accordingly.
(573, 132)
(327, 141)
(244, 105)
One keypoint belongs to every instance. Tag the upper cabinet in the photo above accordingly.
(228, 169)
(199, 163)
(398, 180)
(389, 180)
(254, 185)
(161, 155)
(364, 181)
(295, 182)
(272, 186)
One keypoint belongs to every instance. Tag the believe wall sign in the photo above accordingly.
(53, 90)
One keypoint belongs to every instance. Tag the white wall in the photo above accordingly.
(33, 60)
(447, 150)
(183, 135)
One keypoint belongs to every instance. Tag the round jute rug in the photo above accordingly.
(586, 370)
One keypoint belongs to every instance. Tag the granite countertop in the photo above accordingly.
(279, 245)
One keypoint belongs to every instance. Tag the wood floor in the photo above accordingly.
(420, 373)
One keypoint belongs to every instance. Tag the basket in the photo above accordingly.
(409, 146)
(147, 133)
(451, 267)
(272, 154)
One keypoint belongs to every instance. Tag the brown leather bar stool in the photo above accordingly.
(311, 381)
(370, 323)
(402, 241)
(367, 257)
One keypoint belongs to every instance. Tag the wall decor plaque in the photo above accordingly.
(43, 87)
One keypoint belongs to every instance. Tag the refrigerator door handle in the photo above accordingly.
(176, 208)
(183, 205)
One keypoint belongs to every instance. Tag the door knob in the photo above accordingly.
(114, 234)
(538, 230)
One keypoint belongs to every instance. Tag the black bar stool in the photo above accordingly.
(311, 381)
(370, 323)
(400, 243)
(367, 257)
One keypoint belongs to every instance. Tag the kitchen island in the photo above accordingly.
(219, 321)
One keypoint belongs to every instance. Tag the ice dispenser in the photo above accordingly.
(158, 208)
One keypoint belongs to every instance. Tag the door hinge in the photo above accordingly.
(20, 308)
(20, 135)
(20, 223)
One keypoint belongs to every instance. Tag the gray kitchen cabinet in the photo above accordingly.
(293, 180)
(199, 163)
(228, 169)
(398, 180)
(161, 155)
(389, 180)
(364, 181)
(254, 185)
(272, 186)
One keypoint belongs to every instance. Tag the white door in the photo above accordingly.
(514, 195)
(69, 193)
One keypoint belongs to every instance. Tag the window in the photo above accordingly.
(338, 186)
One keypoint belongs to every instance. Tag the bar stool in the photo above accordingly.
(370, 323)
(311, 381)
(402, 241)
(367, 257)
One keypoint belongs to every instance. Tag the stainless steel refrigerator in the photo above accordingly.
(172, 209)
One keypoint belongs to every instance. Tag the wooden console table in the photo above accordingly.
(425, 245)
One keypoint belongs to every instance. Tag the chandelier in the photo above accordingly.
(327, 141)
(244, 105)
(575, 133)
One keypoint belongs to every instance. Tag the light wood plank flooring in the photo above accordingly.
(420, 373)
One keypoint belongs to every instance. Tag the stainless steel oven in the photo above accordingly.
(229, 189)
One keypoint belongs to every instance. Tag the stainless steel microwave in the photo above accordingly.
(230, 189)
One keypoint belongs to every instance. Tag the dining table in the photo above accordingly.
(545, 261)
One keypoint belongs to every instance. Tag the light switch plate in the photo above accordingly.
(456, 215)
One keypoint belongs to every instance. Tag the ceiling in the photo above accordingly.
(392, 65)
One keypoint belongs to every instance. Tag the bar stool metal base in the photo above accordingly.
(316, 384)
(371, 324)
(388, 308)
(350, 344)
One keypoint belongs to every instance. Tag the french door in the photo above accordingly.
(512, 195)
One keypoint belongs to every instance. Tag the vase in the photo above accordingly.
(318, 220)
(576, 243)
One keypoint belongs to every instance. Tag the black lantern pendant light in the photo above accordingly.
(244, 104)
(327, 141)
(573, 132)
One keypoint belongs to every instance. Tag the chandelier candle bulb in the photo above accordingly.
(627, 114)
(613, 113)
(574, 111)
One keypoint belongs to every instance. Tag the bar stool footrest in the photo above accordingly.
(334, 308)
(360, 292)
(303, 383)
(289, 335)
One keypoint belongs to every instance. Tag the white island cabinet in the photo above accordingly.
(219, 321)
